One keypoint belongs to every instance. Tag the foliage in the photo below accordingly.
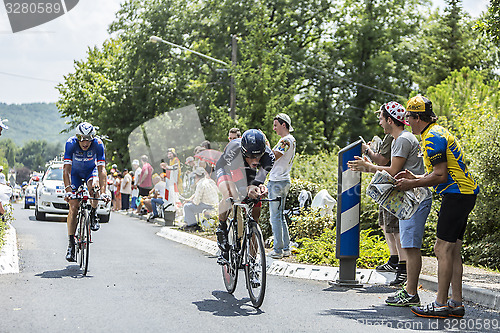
(321, 250)
(309, 224)
(483, 232)
(34, 154)
(461, 90)
(491, 22)
(7, 218)
(292, 201)
(474, 119)
(373, 250)
(448, 42)
(320, 168)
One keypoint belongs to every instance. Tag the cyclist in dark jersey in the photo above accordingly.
(83, 160)
(241, 171)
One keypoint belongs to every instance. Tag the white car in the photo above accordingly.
(50, 196)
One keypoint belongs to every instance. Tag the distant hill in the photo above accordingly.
(35, 121)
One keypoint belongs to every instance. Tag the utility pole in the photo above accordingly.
(232, 98)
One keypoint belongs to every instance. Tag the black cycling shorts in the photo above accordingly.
(453, 215)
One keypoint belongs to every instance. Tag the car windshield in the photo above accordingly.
(54, 174)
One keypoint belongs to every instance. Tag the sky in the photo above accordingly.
(34, 61)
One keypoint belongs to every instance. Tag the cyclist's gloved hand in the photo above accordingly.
(68, 196)
(105, 197)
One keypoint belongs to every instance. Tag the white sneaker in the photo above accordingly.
(287, 253)
(275, 255)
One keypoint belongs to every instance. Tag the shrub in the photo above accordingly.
(373, 250)
(309, 224)
(296, 185)
(321, 251)
(7, 217)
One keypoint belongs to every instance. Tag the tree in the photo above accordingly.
(449, 42)
(9, 150)
(370, 61)
(491, 22)
(34, 154)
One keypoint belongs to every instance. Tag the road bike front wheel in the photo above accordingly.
(230, 269)
(255, 265)
(86, 248)
(83, 241)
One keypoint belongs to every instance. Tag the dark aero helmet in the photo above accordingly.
(253, 143)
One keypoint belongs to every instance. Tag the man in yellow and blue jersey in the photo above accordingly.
(448, 174)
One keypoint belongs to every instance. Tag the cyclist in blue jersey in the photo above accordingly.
(84, 160)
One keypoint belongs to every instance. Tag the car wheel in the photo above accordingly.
(39, 215)
(104, 218)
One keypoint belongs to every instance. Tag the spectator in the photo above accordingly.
(158, 194)
(135, 177)
(448, 174)
(146, 200)
(173, 169)
(405, 154)
(118, 196)
(279, 184)
(3, 127)
(5, 194)
(126, 189)
(388, 222)
(145, 183)
(234, 133)
(206, 144)
(205, 197)
(188, 178)
(111, 185)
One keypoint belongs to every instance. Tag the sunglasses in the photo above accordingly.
(81, 137)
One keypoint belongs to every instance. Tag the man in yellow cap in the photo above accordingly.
(448, 174)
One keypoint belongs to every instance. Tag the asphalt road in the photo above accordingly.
(140, 282)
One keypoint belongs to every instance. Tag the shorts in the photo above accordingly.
(78, 176)
(411, 231)
(453, 215)
(391, 222)
(143, 192)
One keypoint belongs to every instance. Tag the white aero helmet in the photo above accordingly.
(85, 131)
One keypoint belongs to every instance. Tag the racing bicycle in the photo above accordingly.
(83, 235)
(246, 250)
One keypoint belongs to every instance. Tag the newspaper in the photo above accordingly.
(374, 145)
(402, 204)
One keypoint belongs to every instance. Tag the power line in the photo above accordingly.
(28, 77)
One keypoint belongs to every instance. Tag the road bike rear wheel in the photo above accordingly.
(230, 270)
(255, 267)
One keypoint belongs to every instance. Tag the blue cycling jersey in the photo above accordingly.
(83, 162)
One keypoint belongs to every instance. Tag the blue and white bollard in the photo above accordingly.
(349, 199)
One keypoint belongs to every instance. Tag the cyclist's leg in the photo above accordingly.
(93, 182)
(228, 189)
(71, 220)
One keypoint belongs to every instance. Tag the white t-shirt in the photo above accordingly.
(160, 188)
(283, 165)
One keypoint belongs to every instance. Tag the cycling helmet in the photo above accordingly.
(253, 143)
(85, 131)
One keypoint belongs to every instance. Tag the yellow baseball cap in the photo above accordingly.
(420, 104)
